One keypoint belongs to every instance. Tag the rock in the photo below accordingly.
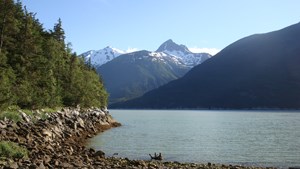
(56, 163)
(100, 154)
(58, 141)
(66, 165)
(80, 122)
(25, 117)
(2, 125)
(76, 112)
(46, 132)
(59, 122)
(91, 151)
(47, 159)
(57, 130)
(12, 165)
(70, 150)
(104, 123)
(104, 109)
(50, 148)
(77, 163)
(41, 166)
(33, 166)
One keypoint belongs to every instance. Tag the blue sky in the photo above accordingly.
(145, 24)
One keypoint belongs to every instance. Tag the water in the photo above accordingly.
(260, 138)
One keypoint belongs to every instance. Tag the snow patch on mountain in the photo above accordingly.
(168, 52)
(102, 56)
(183, 53)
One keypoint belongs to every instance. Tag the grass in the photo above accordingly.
(13, 113)
(12, 150)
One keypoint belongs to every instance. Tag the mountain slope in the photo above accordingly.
(102, 56)
(131, 75)
(134, 74)
(259, 71)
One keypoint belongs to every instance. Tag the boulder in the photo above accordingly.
(100, 154)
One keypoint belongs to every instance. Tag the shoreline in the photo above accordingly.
(60, 142)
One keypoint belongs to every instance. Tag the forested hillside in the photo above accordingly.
(38, 68)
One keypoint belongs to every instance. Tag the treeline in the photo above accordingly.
(38, 68)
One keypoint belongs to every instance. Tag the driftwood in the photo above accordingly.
(156, 157)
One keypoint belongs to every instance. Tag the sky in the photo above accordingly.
(201, 25)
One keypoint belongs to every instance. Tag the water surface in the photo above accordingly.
(261, 138)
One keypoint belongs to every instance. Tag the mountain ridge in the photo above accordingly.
(258, 71)
(99, 57)
(131, 75)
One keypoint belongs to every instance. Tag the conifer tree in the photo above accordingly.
(6, 83)
(37, 67)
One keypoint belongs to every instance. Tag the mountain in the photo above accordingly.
(181, 51)
(259, 71)
(131, 75)
(102, 56)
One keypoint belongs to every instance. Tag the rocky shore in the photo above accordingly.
(59, 142)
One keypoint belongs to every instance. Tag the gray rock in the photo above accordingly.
(80, 122)
(41, 166)
(2, 125)
(46, 132)
(33, 166)
(12, 165)
(59, 122)
(67, 165)
(25, 117)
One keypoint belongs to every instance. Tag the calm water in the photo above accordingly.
(261, 138)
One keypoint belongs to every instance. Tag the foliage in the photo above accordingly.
(12, 150)
(12, 115)
(37, 67)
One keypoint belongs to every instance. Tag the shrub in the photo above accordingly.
(12, 115)
(12, 150)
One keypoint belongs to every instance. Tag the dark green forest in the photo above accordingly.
(38, 68)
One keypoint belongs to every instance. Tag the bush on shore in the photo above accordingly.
(12, 150)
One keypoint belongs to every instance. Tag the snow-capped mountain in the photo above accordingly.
(102, 56)
(183, 53)
(179, 53)
(130, 75)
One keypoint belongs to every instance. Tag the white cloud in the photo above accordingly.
(129, 50)
(211, 51)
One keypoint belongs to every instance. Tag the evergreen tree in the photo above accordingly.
(6, 83)
(58, 32)
(38, 69)
(10, 15)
